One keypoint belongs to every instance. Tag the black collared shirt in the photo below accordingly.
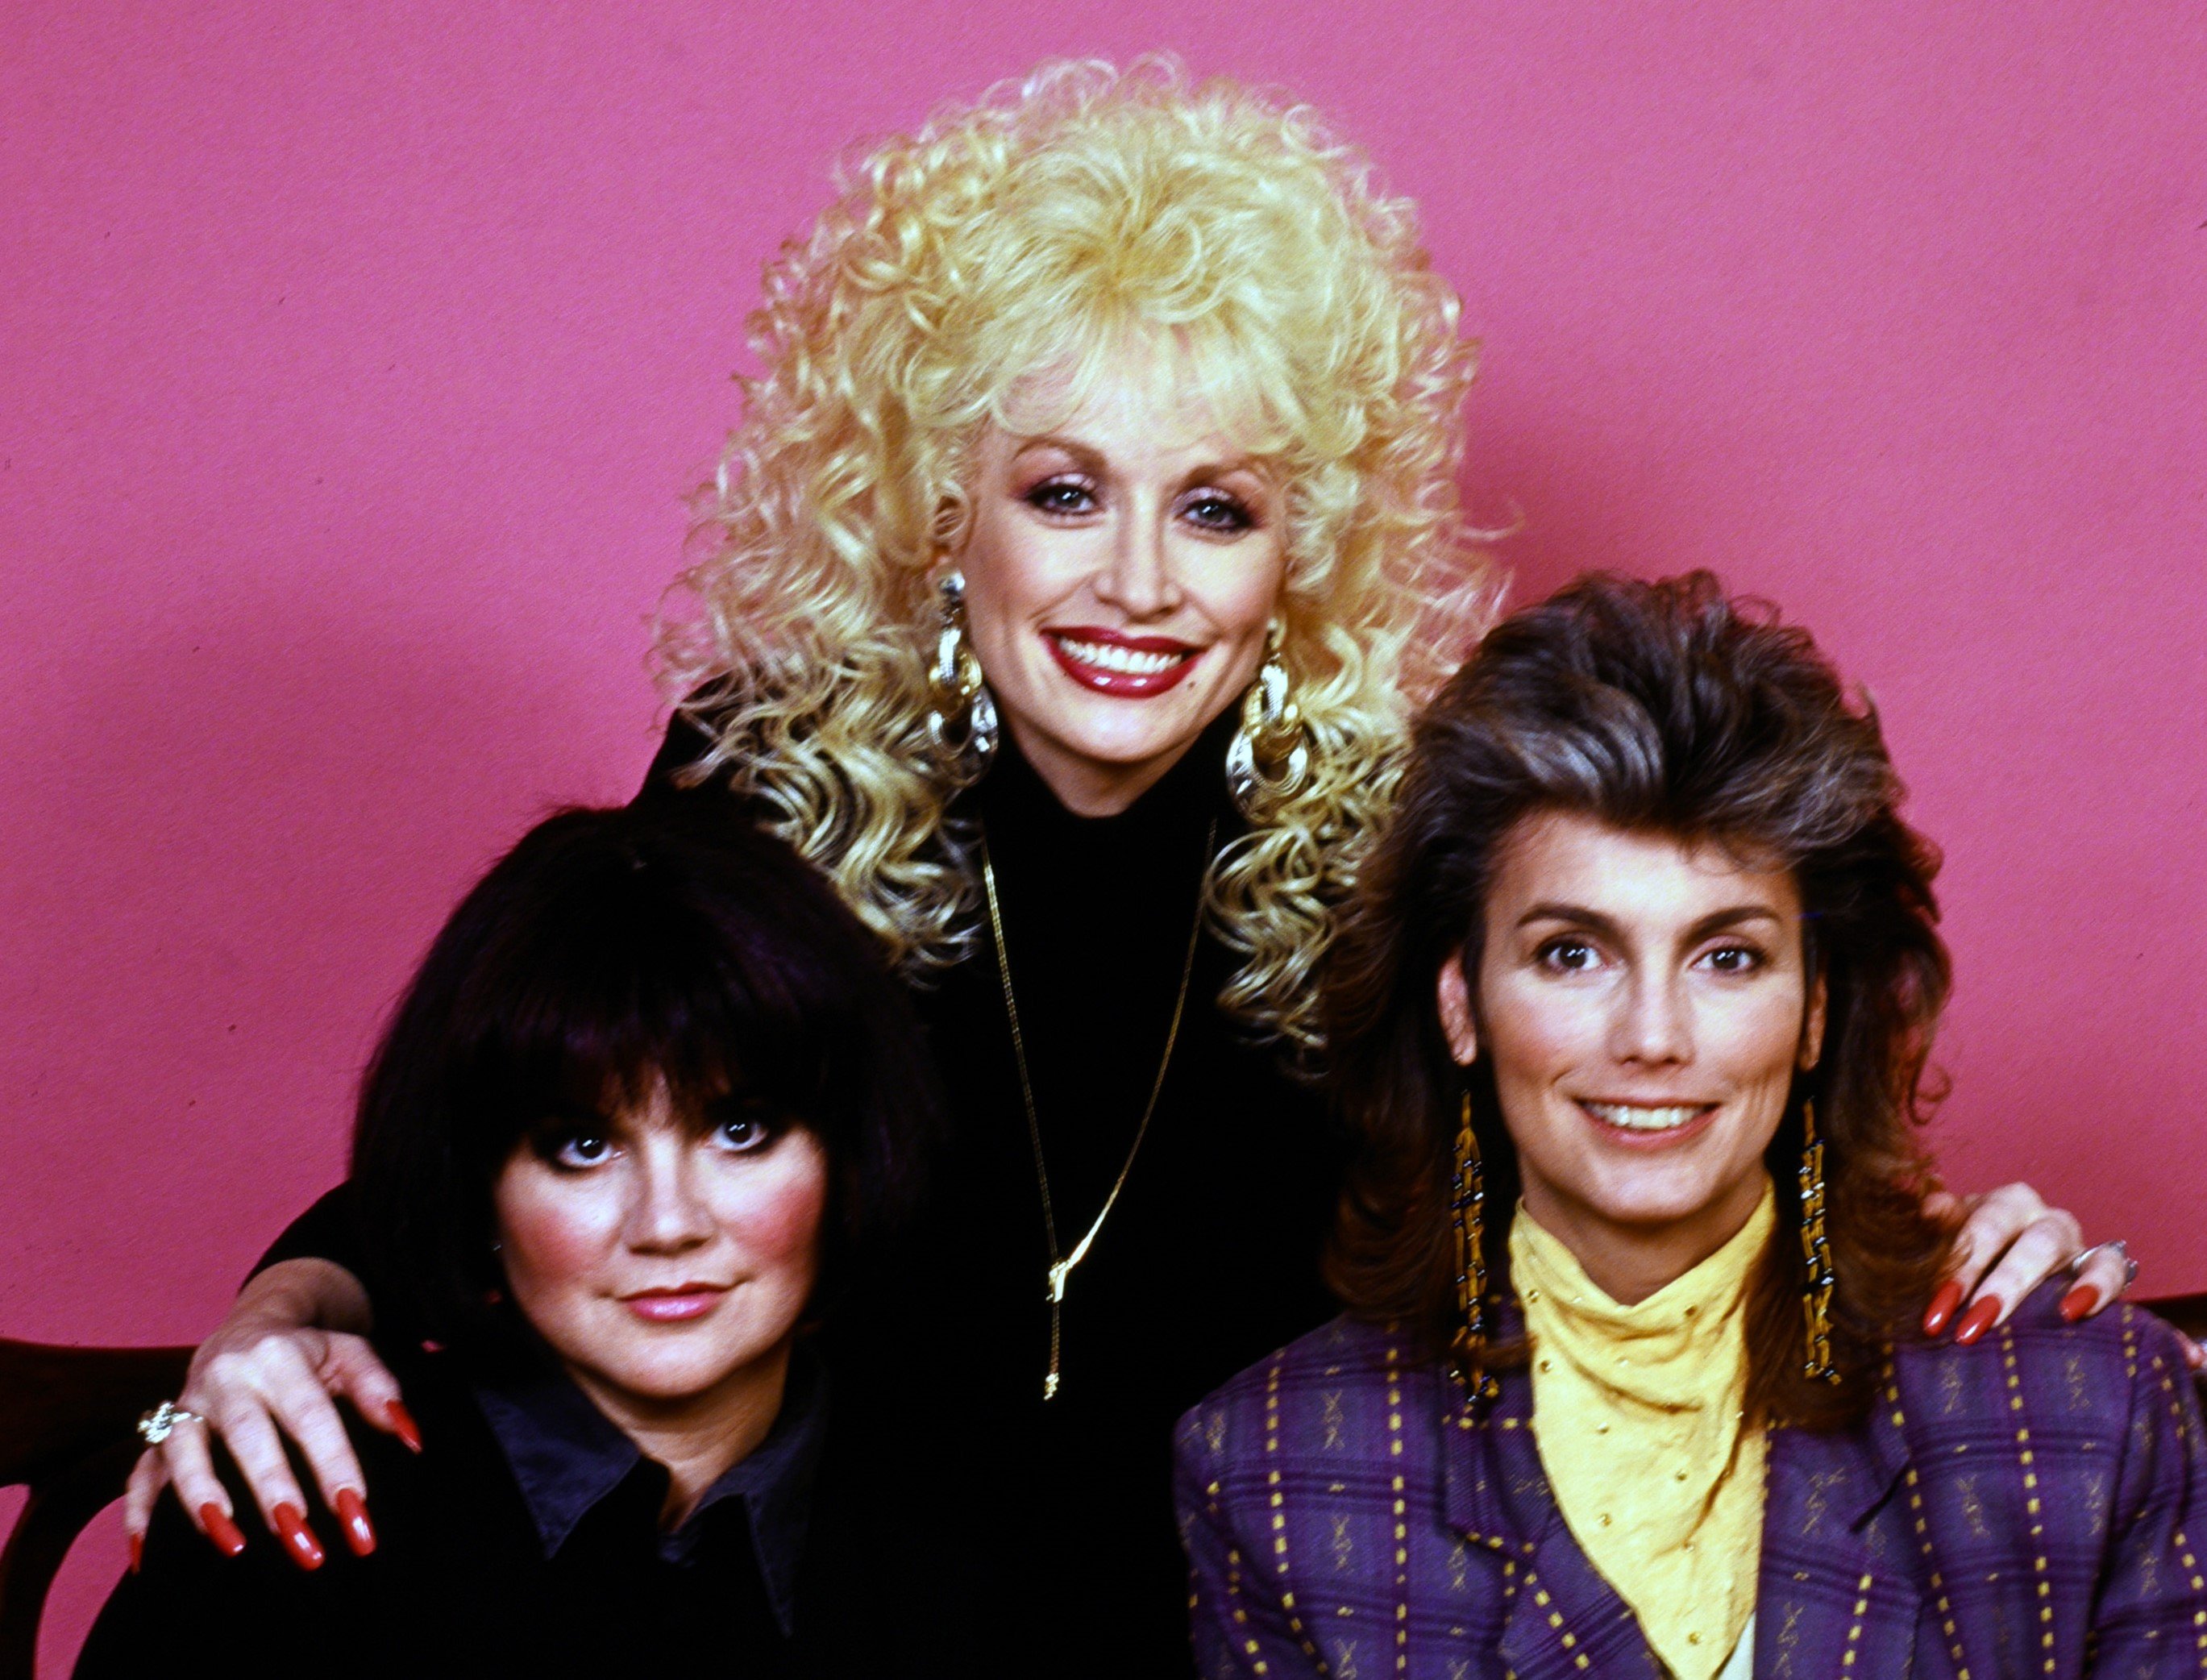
(570, 1462)
(1055, 1547)
(526, 1540)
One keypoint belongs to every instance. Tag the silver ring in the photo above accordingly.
(2130, 1266)
(158, 1425)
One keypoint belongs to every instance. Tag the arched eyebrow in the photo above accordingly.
(1595, 921)
(1090, 459)
(1724, 921)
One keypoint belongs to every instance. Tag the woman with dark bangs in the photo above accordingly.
(651, 1105)
(1090, 534)
(1633, 1016)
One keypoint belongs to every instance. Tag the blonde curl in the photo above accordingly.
(1034, 230)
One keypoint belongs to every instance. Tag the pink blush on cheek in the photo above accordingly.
(774, 1217)
(554, 1231)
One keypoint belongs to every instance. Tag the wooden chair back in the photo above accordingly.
(2187, 1312)
(68, 1431)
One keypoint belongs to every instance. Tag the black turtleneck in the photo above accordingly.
(1208, 1262)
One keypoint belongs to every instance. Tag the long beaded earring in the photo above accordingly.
(1467, 1201)
(1816, 1300)
(955, 690)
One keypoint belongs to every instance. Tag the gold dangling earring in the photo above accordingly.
(1268, 757)
(1467, 1201)
(956, 690)
(1816, 1301)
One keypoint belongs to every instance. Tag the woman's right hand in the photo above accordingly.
(273, 1369)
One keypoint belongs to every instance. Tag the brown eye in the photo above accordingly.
(743, 1125)
(1567, 956)
(742, 1133)
(579, 1152)
(1061, 495)
(1734, 959)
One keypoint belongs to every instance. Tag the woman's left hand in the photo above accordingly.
(2009, 1243)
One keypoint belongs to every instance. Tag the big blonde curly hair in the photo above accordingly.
(1033, 230)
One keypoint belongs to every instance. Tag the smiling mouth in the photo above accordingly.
(1131, 667)
(1651, 1121)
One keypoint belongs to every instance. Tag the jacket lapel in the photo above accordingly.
(1563, 1621)
(1837, 1592)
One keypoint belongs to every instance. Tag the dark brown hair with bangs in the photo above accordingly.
(611, 951)
(1661, 708)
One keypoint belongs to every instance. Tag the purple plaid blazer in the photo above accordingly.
(2028, 1506)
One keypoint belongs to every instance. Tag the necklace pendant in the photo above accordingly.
(1058, 1273)
(1050, 1386)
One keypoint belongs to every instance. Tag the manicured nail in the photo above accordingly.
(298, 1539)
(352, 1512)
(228, 1537)
(1977, 1320)
(402, 1425)
(1941, 1310)
(137, 1553)
(2080, 1302)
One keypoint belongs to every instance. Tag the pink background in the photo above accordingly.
(353, 361)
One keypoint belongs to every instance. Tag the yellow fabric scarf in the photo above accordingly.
(1636, 1414)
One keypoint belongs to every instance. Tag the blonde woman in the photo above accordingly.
(1085, 543)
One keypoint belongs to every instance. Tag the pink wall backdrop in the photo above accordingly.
(354, 361)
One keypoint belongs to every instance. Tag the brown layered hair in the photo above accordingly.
(1665, 708)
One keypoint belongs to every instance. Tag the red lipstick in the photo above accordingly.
(1110, 661)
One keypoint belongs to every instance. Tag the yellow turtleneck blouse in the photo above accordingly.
(1637, 1411)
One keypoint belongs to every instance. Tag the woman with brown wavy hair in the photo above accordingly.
(1089, 535)
(1633, 1014)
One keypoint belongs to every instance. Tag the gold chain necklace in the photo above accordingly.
(1062, 1265)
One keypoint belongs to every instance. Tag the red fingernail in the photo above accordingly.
(137, 1552)
(2080, 1302)
(402, 1425)
(1943, 1303)
(352, 1512)
(1977, 1320)
(291, 1526)
(226, 1535)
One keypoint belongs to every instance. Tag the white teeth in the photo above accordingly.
(1126, 661)
(1633, 1117)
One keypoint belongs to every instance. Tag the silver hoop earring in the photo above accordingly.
(956, 692)
(1268, 759)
